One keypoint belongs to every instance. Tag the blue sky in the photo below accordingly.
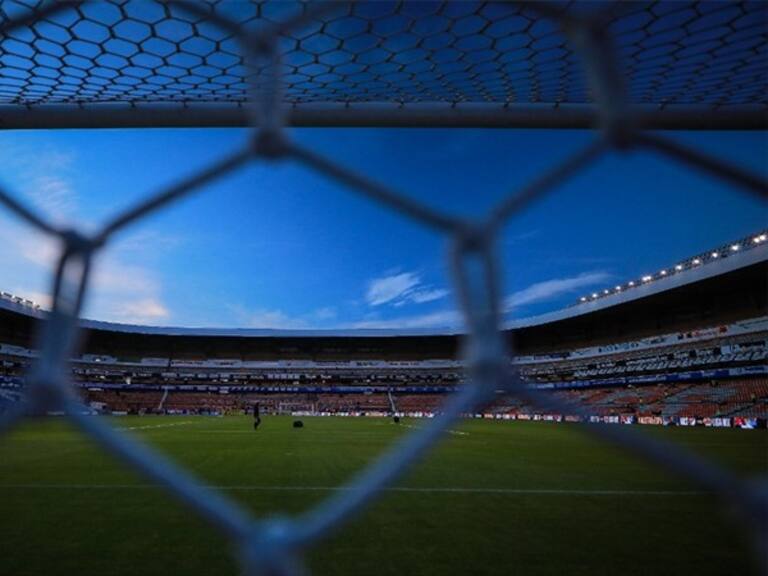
(278, 246)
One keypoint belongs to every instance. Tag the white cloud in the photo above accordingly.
(123, 287)
(326, 313)
(549, 289)
(520, 238)
(421, 296)
(389, 288)
(138, 241)
(450, 319)
(123, 291)
(278, 319)
(36, 248)
(26, 258)
(44, 176)
(53, 195)
(142, 311)
(323, 318)
(275, 319)
(400, 289)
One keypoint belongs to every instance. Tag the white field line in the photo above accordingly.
(435, 490)
(454, 432)
(151, 426)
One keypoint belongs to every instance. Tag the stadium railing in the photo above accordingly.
(276, 545)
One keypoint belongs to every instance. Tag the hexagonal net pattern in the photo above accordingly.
(495, 57)
(271, 57)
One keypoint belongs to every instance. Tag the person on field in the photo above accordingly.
(256, 416)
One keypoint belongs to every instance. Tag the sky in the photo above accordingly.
(275, 245)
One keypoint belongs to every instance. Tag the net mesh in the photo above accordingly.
(710, 55)
(269, 56)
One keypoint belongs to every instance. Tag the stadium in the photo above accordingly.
(607, 413)
(686, 348)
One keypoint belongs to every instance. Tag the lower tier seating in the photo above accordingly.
(742, 398)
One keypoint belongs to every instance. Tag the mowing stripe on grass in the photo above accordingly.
(437, 490)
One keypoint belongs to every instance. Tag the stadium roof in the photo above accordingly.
(143, 63)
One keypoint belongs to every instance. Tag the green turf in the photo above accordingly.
(59, 515)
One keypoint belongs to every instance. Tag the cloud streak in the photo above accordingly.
(278, 319)
(400, 289)
(143, 311)
(554, 288)
(44, 176)
(120, 289)
(447, 319)
(123, 287)
(452, 320)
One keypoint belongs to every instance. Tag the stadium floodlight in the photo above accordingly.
(735, 247)
(663, 272)
(583, 298)
(696, 261)
(647, 278)
(606, 291)
(594, 295)
(715, 254)
(618, 288)
(679, 267)
(631, 282)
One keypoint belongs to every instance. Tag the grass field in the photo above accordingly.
(535, 498)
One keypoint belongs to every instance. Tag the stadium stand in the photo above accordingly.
(693, 368)
(743, 398)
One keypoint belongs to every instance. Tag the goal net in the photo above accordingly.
(625, 69)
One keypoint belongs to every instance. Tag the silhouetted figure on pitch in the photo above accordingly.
(256, 416)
